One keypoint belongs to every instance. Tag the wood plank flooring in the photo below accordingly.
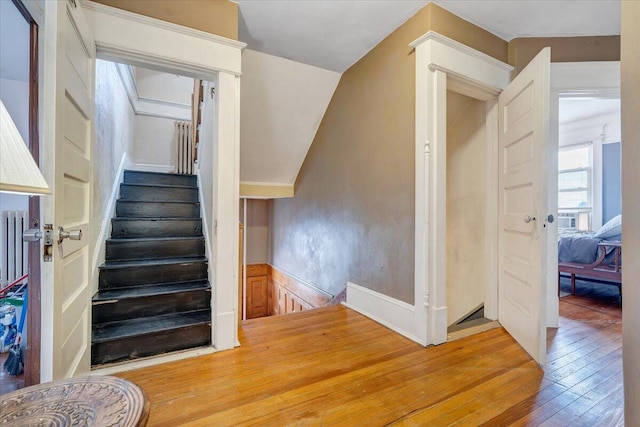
(332, 366)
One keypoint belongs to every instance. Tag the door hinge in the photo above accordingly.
(213, 92)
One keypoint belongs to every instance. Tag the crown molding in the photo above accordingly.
(99, 7)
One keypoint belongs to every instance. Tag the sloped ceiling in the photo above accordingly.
(284, 100)
(282, 103)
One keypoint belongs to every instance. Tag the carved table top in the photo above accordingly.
(80, 401)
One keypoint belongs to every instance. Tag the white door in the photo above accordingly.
(75, 59)
(523, 135)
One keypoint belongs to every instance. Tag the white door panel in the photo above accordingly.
(75, 55)
(523, 134)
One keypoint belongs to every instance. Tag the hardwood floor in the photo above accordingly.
(7, 382)
(332, 366)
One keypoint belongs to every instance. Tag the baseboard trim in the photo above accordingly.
(148, 167)
(396, 315)
(225, 331)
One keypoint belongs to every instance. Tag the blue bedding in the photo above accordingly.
(582, 248)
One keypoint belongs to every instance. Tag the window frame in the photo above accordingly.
(590, 181)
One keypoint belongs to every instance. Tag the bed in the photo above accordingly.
(594, 257)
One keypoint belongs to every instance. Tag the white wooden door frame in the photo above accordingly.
(441, 64)
(139, 40)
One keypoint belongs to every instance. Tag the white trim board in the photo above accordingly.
(394, 314)
(122, 36)
(152, 361)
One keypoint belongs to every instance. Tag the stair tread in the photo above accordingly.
(153, 239)
(158, 218)
(160, 173)
(146, 325)
(150, 290)
(154, 185)
(151, 201)
(150, 262)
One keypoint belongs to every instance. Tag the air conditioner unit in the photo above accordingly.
(567, 221)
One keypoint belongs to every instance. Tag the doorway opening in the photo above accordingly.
(20, 261)
(467, 209)
(589, 199)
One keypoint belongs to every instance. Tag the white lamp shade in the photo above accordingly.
(19, 173)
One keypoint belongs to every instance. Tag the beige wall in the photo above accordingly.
(630, 73)
(212, 16)
(352, 218)
(257, 231)
(564, 49)
(466, 205)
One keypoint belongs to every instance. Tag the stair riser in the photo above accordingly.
(150, 344)
(157, 210)
(159, 228)
(132, 177)
(132, 308)
(137, 276)
(158, 194)
(154, 250)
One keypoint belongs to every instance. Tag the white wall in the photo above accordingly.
(257, 231)
(114, 141)
(466, 205)
(282, 105)
(154, 143)
(158, 86)
(630, 102)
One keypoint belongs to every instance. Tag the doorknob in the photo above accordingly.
(529, 218)
(71, 235)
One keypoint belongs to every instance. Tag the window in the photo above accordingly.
(575, 164)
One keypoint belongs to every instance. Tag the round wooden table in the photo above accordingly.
(81, 401)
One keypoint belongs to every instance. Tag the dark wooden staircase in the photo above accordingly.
(153, 295)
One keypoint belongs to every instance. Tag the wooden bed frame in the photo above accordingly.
(597, 271)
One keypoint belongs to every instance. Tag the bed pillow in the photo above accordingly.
(611, 229)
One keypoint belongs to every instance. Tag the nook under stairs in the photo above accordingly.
(153, 296)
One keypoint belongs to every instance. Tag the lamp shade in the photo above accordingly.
(19, 173)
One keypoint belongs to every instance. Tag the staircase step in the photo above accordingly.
(142, 177)
(152, 227)
(158, 193)
(124, 274)
(149, 290)
(143, 337)
(154, 248)
(143, 209)
(151, 301)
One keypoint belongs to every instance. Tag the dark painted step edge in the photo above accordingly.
(153, 239)
(162, 289)
(113, 265)
(160, 173)
(152, 331)
(151, 201)
(207, 347)
(138, 184)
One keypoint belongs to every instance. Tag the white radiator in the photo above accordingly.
(13, 251)
(184, 148)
